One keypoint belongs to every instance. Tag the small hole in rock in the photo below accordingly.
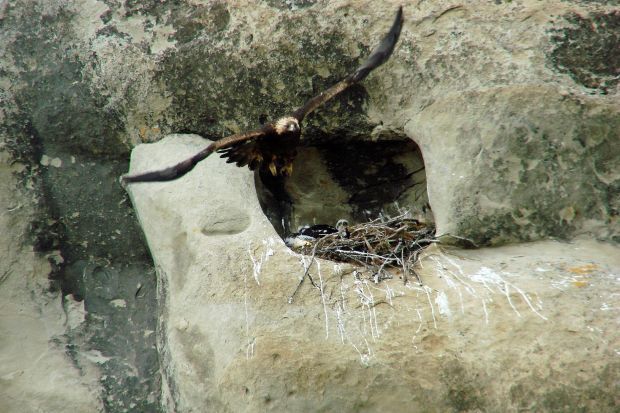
(352, 180)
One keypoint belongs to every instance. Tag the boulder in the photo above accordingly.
(37, 373)
(530, 326)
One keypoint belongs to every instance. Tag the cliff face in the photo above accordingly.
(512, 110)
(497, 329)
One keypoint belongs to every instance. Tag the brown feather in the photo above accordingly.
(242, 154)
(378, 56)
(321, 98)
(274, 149)
(181, 168)
(240, 138)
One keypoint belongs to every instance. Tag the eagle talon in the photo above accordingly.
(287, 170)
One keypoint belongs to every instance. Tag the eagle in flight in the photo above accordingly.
(273, 147)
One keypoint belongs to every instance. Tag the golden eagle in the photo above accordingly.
(274, 146)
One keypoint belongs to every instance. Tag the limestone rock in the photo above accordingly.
(524, 163)
(36, 373)
(522, 327)
(517, 128)
(520, 99)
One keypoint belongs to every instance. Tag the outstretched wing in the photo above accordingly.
(244, 149)
(378, 56)
(242, 153)
(180, 169)
(237, 139)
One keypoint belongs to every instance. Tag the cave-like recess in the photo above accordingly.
(354, 180)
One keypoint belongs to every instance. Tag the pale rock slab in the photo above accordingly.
(36, 373)
(524, 327)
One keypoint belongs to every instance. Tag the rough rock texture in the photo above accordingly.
(66, 137)
(514, 149)
(531, 327)
(514, 107)
(36, 373)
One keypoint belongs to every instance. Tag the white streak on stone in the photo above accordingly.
(321, 287)
(427, 290)
(443, 304)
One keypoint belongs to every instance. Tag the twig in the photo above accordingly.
(306, 273)
(377, 245)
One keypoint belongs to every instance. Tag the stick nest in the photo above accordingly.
(379, 246)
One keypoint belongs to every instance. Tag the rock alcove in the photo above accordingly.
(355, 180)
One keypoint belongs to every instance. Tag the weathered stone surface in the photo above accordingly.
(524, 327)
(514, 149)
(67, 133)
(36, 373)
(519, 98)
(524, 163)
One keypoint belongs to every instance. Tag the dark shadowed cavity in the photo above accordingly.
(353, 180)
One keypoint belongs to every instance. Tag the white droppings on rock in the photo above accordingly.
(343, 319)
(443, 304)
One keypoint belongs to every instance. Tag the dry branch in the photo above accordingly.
(385, 242)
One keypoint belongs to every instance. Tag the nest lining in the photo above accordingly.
(379, 246)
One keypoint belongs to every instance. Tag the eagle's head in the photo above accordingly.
(287, 125)
(343, 228)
